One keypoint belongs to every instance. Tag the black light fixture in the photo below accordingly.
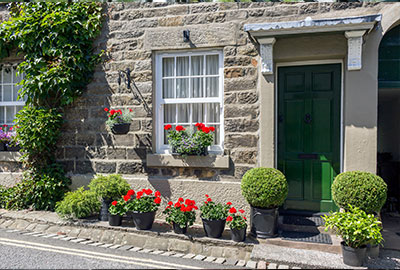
(186, 35)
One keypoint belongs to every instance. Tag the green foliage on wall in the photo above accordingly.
(56, 41)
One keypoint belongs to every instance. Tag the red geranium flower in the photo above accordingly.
(209, 200)
(106, 109)
(139, 194)
(114, 203)
(130, 110)
(232, 210)
(205, 130)
(207, 195)
(195, 207)
(112, 112)
(179, 128)
(166, 127)
(241, 211)
(168, 207)
(130, 192)
(229, 203)
(212, 129)
(127, 197)
(244, 218)
(199, 126)
(148, 191)
(10, 128)
(229, 218)
(157, 200)
(170, 203)
(157, 193)
(177, 204)
(180, 200)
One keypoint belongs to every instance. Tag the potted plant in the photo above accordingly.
(265, 189)
(117, 210)
(185, 142)
(4, 138)
(144, 207)
(119, 121)
(12, 145)
(108, 188)
(181, 214)
(214, 217)
(237, 223)
(357, 229)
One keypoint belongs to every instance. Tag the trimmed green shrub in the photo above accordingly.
(264, 187)
(359, 189)
(110, 187)
(78, 204)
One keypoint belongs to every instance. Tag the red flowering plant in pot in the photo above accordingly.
(117, 210)
(238, 223)
(214, 217)
(119, 121)
(181, 214)
(190, 142)
(144, 205)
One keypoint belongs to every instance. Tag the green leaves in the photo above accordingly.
(356, 227)
(110, 187)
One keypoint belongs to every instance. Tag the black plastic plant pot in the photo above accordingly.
(178, 229)
(214, 228)
(353, 256)
(105, 204)
(2, 146)
(114, 220)
(238, 235)
(264, 222)
(122, 128)
(143, 221)
(373, 251)
(12, 148)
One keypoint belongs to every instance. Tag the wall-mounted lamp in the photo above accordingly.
(186, 35)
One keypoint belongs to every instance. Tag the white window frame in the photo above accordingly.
(14, 104)
(162, 148)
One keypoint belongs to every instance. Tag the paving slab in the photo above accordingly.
(146, 250)
(220, 260)
(262, 265)
(69, 238)
(178, 255)
(241, 263)
(251, 264)
(199, 257)
(50, 235)
(87, 242)
(107, 245)
(114, 246)
(126, 247)
(169, 253)
(158, 252)
(231, 261)
(96, 244)
(272, 266)
(136, 249)
(189, 256)
(210, 259)
(283, 266)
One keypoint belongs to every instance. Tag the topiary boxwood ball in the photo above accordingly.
(264, 187)
(361, 189)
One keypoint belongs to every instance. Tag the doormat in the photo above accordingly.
(303, 221)
(321, 238)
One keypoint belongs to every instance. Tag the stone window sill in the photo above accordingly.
(167, 160)
(10, 156)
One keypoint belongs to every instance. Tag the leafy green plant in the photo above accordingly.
(186, 142)
(213, 211)
(264, 187)
(6, 194)
(144, 201)
(110, 187)
(78, 204)
(235, 220)
(118, 117)
(118, 208)
(355, 227)
(181, 213)
(360, 189)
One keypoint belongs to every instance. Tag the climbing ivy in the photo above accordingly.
(56, 41)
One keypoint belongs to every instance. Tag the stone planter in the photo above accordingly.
(114, 220)
(178, 229)
(204, 152)
(353, 256)
(214, 228)
(238, 235)
(264, 222)
(143, 221)
(122, 128)
(105, 204)
(373, 251)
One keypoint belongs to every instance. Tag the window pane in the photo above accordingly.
(15, 92)
(212, 63)
(10, 113)
(182, 66)
(169, 113)
(168, 88)
(168, 67)
(7, 93)
(212, 89)
(16, 79)
(182, 88)
(2, 118)
(216, 134)
(197, 87)
(183, 113)
(197, 65)
(212, 113)
(7, 75)
(198, 113)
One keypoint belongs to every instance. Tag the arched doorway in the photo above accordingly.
(389, 115)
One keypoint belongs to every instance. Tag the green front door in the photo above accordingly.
(309, 134)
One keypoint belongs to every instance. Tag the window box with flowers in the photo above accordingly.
(119, 121)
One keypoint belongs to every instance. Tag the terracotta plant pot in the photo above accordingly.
(353, 256)
(264, 222)
(143, 221)
(105, 204)
(238, 235)
(122, 128)
(178, 229)
(114, 220)
(214, 228)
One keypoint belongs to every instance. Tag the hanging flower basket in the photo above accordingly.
(119, 121)
(120, 128)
